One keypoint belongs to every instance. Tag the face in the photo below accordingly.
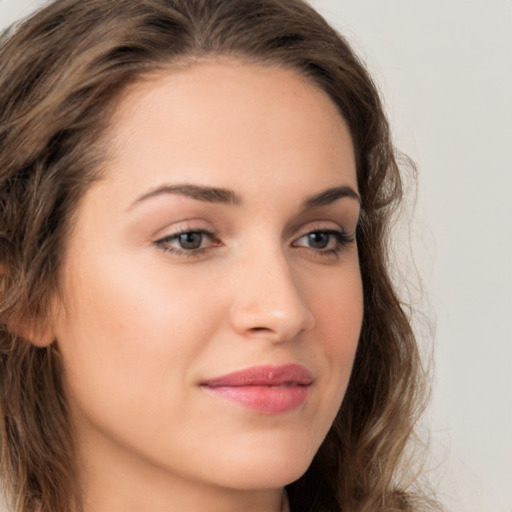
(211, 299)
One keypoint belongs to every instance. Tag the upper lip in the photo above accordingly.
(267, 375)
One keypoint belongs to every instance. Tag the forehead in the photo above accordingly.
(229, 117)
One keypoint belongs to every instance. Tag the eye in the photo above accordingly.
(187, 242)
(319, 239)
(328, 241)
(191, 240)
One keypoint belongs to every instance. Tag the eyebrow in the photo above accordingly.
(330, 196)
(198, 192)
(226, 196)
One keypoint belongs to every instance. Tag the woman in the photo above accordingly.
(196, 311)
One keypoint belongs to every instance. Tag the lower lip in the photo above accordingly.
(264, 399)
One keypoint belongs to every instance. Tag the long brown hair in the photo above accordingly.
(61, 72)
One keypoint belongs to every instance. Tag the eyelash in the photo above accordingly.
(342, 240)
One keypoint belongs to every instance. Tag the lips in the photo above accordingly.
(264, 389)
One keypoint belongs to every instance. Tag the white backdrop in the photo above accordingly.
(445, 68)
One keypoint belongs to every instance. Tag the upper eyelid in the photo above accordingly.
(185, 226)
(324, 225)
(185, 231)
(182, 231)
(294, 228)
(212, 233)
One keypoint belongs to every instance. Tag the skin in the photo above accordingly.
(141, 321)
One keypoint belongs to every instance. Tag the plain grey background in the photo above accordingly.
(445, 69)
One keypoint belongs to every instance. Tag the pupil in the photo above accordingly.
(318, 240)
(190, 240)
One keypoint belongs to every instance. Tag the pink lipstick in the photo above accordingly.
(264, 389)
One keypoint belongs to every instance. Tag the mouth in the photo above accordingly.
(264, 389)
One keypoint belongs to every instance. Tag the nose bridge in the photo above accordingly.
(268, 300)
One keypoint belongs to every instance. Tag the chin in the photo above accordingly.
(266, 467)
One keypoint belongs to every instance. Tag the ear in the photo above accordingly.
(37, 331)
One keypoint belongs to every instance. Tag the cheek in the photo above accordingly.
(341, 321)
(338, 309)
(126, 336)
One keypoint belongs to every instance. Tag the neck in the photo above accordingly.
(103, 500)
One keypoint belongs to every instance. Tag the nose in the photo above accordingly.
(268, 303)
